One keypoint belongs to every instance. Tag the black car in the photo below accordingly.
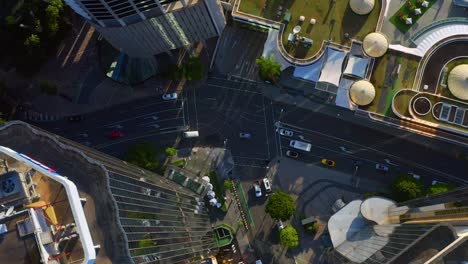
(76, 118)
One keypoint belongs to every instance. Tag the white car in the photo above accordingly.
(381, 167)
(169, 96)
(266, 184)
(258, 190)
(280, 225)
(285, 132)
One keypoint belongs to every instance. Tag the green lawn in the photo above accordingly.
(404, 10)
(179, 163)
(444, 91)
(333, 20)
(388, 82)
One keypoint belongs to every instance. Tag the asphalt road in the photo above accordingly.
(334, 138)
(220, 109)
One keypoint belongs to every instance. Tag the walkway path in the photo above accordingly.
(433, 36)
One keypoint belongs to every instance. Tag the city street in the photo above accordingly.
(344, 142)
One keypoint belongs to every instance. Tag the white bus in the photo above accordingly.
(300, 145)
(190, 134)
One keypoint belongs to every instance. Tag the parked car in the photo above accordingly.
(257, 189)
(280, 225)
(285, 132)
(116, 134)
(169, 96)
(416, 176)
(381, 167)
(328, 163)
(245, 135)
(292, 154)
(76, 118)
(266, 185)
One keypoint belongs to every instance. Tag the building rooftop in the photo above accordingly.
(41, 216)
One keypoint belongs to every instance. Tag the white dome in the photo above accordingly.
(361, 7)
(375, 44)
(362, 92)
(458, 81)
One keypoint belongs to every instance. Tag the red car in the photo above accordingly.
(116, 134)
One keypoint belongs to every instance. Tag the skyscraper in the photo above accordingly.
(432, 229)
(134, 215)
(143, 28)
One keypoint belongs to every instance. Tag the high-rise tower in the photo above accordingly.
(134, 215)
(432, 229)
(143, 28)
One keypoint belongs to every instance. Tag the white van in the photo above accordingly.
(300, 145)
(190, 134)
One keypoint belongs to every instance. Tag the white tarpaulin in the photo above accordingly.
(356, 66)
(331, 71)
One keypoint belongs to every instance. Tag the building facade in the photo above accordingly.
(134, 215)
(143, 28)
(379, 230)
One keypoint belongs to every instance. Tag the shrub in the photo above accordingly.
(228, 185)
(440, 188)
(406, 188)
(170, 151)
(48, 87)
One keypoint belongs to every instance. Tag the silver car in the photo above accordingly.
(285, 132)
(169, 96)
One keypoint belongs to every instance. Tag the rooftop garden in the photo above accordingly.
(409, 13)
(442, 89)
(334, 20)
(391, 73)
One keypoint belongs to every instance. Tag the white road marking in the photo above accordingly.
(228, 88)
(412, 163)
(101, 146)
(157, 103)
(266, 130)
(160, 120)
(136, 117)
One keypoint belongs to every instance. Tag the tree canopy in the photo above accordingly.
(440, 188)
(143, 155)
(193, 69)
(406, 188)
(280, 206)
(289, 237)
(32, 42)
(170, 151)
(269, 68)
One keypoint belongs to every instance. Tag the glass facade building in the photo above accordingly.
(135, 215)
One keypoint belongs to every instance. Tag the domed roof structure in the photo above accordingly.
(362, 92)
(458, 81)
(361, 7)
(375, 44)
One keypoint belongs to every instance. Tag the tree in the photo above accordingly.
(406, 188)
(170, 151)
(143, 155)
(10, 21)
(269, 68)
(289, 237)
(193, 69)
(440, 188)
(280, 206)
(228, 185)
(32, 42)
(52, 13)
